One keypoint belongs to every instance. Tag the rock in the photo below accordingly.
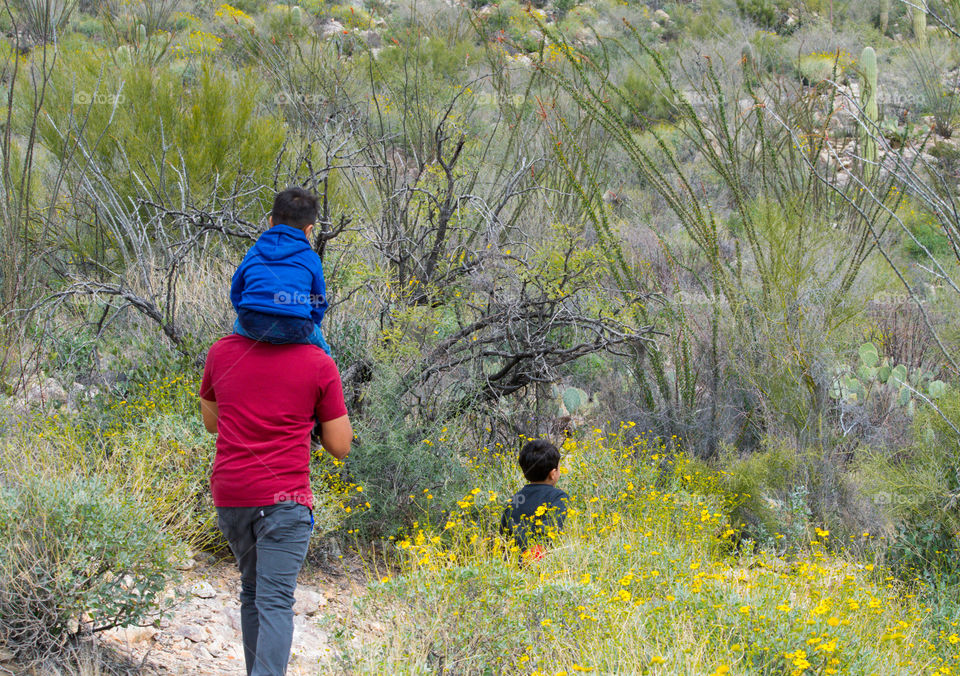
(373, 39)
(655, 26)
(184, 562)
(330, 28)
(201, 653)
(233, 618)
(661, 16)
(205, 558)
(48, 392)
(308, 602)
(5, 655)
(203, 589)
(135, 634)
(191, 633)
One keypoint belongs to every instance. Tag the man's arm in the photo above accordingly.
(336, 436)
(210, 413)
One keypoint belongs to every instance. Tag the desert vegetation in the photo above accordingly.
(709, 248)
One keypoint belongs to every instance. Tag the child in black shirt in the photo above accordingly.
(539, 507)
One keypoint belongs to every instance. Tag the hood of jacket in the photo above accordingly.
(281, 241)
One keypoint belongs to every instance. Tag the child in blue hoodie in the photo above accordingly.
(278, 291)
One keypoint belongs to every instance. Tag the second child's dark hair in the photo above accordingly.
(537, 459)
(295, 207)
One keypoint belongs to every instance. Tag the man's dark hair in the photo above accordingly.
(295, 207)
(537, 459)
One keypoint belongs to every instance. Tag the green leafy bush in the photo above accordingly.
(926, 232)
(764, 497)
(73, 557)
(409, 469)
(643, 102)
(768, 14)
(146, 125)
(918, 488)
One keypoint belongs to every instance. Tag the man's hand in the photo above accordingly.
(210, 413)
(336, 436)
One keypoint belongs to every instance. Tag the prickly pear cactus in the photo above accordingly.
(903, 386)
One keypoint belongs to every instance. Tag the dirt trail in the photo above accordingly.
(202, 634)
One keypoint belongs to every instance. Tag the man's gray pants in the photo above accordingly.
(270, 544)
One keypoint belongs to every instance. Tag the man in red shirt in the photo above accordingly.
(262, 400)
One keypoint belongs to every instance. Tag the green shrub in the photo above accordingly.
(285, 23)
(643, 102)
(409, 469)
(213, 130)
(764, 498)
(144, 439)
(771, 52)
(250, 6)
(74, 556)
(926, 231)
(918, 489)
(89, 26)
(761, 12)
(704, 21)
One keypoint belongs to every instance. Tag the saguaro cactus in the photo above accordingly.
(919, 25)
(884, 15)
(868, 100)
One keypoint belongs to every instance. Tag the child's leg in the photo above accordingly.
(276, 329)
(239, 330)
(316, 338)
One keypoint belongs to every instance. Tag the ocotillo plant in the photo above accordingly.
(749, 64)
(868, 100)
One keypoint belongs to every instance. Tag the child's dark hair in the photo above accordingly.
(295, 207)
(537, 459)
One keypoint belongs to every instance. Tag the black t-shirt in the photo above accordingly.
(521, 520)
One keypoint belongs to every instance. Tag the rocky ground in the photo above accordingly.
(202, 634)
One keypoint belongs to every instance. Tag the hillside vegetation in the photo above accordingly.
(710, 248)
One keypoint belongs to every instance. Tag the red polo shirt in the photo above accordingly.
(267, 397)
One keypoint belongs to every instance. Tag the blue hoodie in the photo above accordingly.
(281, 275)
